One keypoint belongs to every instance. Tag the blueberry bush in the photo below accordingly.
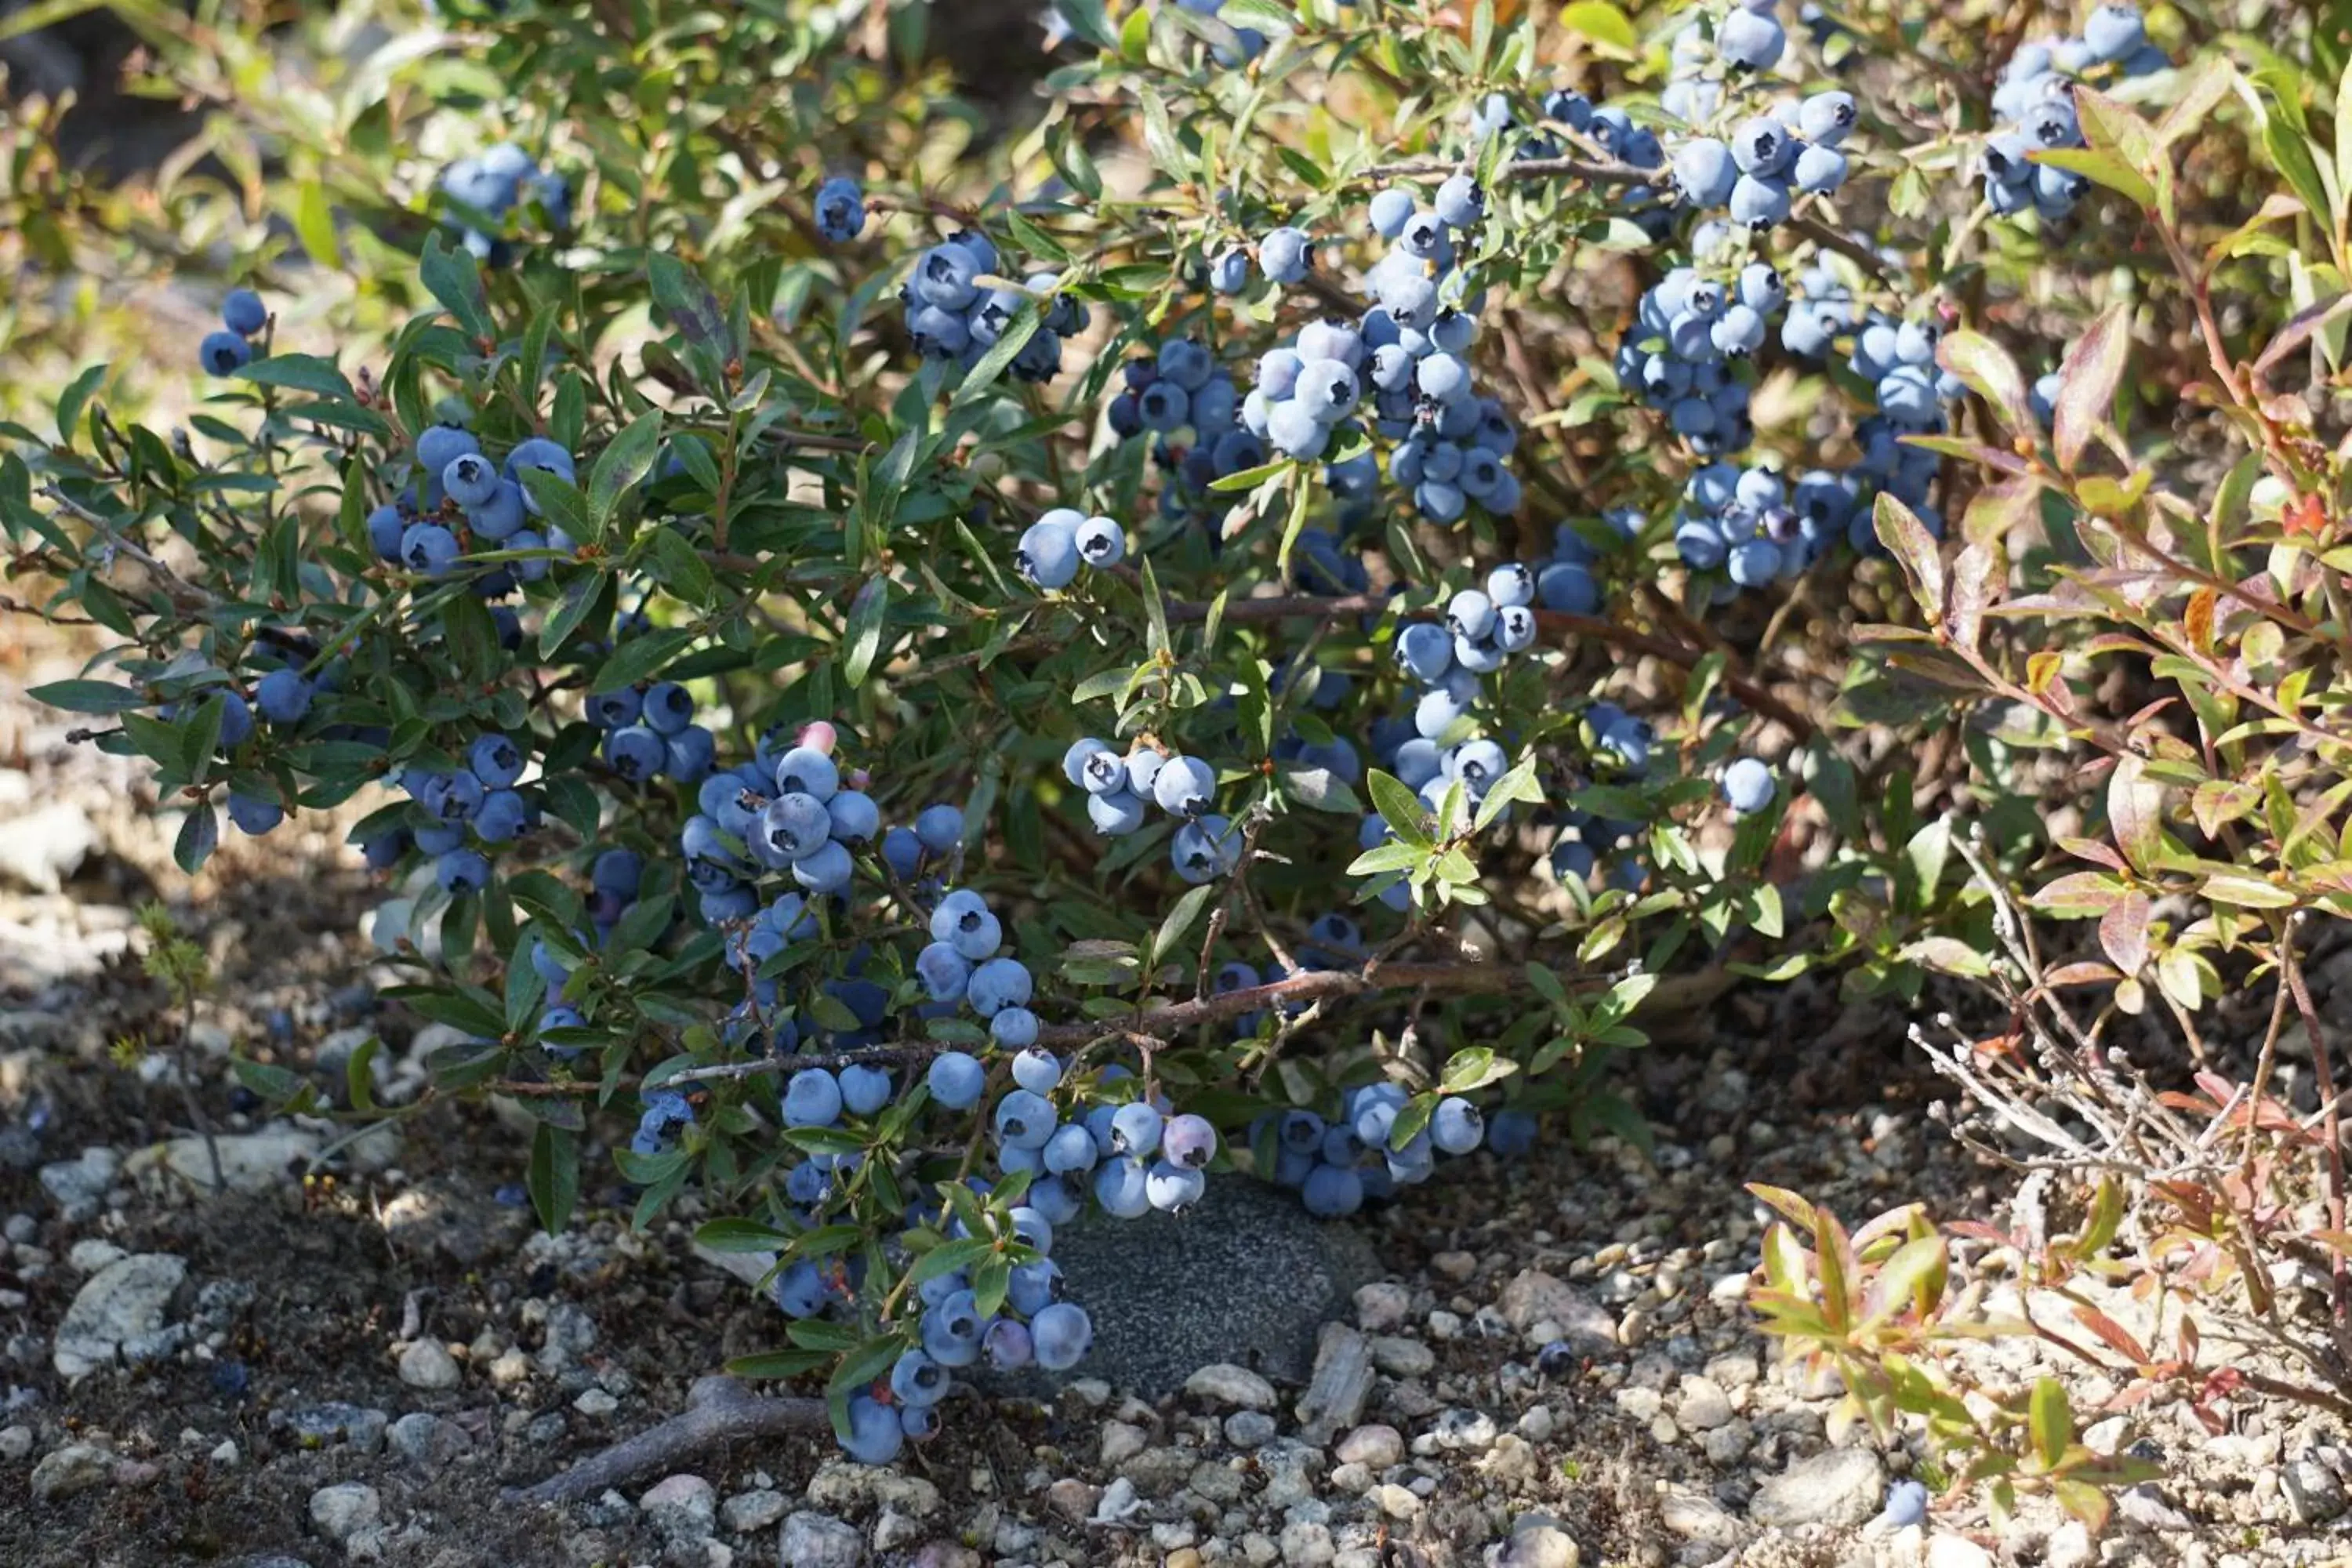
(919, 663)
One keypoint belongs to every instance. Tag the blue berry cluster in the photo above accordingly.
(1757, 172)
(775, 813)
(1748, 525)
(1413, 345)
(2036, 99)
(1897, 358)
(1058, 544)
(230, 349)
(650, 732)
(491, 187)
(952, 314)
(1336, 1165)
(493, 512)
(458, 815)
(1691, 330)
(1182, 388)
(1620, 749)
(1120, 790)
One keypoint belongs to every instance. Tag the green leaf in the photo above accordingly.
(620, 465)
(452, 278)
(866, 1362)
(560, 500)
(199, 836)
(1991, 373)
(1603, 24)
(1265, 17)
(553, 1180)
(1399, 806)
(1474, 1069)
(76, 395)
(88, 697)
(1024, 325)
(1181, 919)
(864, 634)
(735, 1234)
(2052, 1419)
(302, 372)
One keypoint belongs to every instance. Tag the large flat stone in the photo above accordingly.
(1248, 1277)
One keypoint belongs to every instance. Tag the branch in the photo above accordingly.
(718, 1410)
(1586, 169)
(182, 592)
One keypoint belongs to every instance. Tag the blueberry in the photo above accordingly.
(1187, 1141)
(635, 753)
(1459, 201)
(811, 1098)
(1173, 1189)
(840, 209)
(1751, 38)
(1122, 1187)
(462, 871)
(1704, 172)
(257, 817)
(1758, 203)
(223, 353)
(1060, 1336)
(1296, 430)
(1284, 254)
(1101, 542)
(243, 313)
(538, 455)
(1228, 272)
(805, 770)
(1203, 849)
(956, 1080)
(1819, 170)
(1048, 554)
(999, 983)
(470, 479)
(498, 763)
(855, 817)
(1748, 786)
(876, 1436)
(1185, 786)
(1825, 119)
(941, 828)
(428, 548)
(2113, 32)
(1389, 211)
(1455, 1127)
(1331, 1192)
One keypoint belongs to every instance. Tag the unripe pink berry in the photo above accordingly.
(819, 736)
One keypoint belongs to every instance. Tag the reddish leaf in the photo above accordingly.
(2135, 812)
(1996, 510)
(2123, 931)
(2084, 973)
(2079, 894)
(1908, 541)
(1975, 583)
(2092, 850)
(1991, 373)
(2094, 367)
(2114, 1333)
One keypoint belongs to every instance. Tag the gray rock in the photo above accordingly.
(78, 1186)
(1400, 1357)
(15, 1442)
(682, 1507)
(42, 847)
(1699, 1518)
(1702, 1406)
(748, 1511)
(1381, 1305)
(1121, 1441)
(1156, 1472)
(425, 1440)
(2313, 1491)
(1534, 1296)
(1223, 1383)
(342, 1511)
(1245, 1278)
(819, 1541)
(320, 1425)
(1250, 1428)
(1375, 1446)
(2070, 1546)
(1289, 1469)
(1342, 1381)
(259, 1162)
(119, 1313)
(76, 1468)
(1842, 1486)
(1538, 1546)
(427, 1364)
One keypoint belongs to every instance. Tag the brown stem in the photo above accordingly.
(718, 1410)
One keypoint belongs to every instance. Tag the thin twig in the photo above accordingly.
(718, 1410)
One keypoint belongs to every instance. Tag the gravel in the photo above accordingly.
(120, 1314)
